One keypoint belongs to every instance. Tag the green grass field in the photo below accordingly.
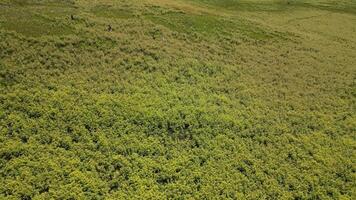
(178, 99)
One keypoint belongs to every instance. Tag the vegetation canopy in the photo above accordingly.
(177, 99)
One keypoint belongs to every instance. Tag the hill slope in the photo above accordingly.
(178, 99)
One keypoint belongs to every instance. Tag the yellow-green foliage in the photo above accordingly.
(177, 99)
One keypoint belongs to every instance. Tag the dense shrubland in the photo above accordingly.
(180, 99)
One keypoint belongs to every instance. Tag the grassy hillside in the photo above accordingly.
(177, 99)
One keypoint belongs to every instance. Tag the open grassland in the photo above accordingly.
(177, 99)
